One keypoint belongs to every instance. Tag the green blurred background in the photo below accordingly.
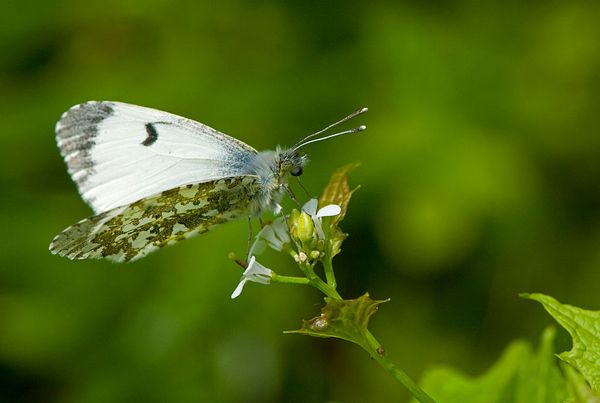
(480, 180)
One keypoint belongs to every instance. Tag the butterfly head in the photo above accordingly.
(275, 167)
(291, 163)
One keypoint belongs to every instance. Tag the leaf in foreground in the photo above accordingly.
(579, 389)
(520, 376)
(584, 328)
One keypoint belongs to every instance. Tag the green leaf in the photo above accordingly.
(338, 191)
(584, 328)
(342, 319)
(540, 379)
(520, 376)
(579, 389)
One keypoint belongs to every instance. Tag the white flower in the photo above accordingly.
(275, 235)
(254, 272)
(330, 210)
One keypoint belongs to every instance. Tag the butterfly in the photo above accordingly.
(154, 178)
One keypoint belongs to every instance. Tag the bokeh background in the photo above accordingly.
(480, 179)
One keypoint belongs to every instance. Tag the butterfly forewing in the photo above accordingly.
(130, 232)
(119, 153)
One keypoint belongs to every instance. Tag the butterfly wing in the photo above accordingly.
(119, 153)
(132, 231)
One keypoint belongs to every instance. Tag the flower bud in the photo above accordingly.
(315, 254)
(302, 229)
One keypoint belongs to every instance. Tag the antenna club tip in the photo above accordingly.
(363, 110)
(361, 128)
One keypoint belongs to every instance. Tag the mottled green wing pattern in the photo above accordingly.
(130, 232)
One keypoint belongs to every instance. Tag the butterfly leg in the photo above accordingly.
(249, 237)
(304, 188)
(292, 195)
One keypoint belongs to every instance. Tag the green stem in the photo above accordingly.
(375, 350)
(319, 284)
(276, 278)
(329, 274)
(324, 287)
(371, 345)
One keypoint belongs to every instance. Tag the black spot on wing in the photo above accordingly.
(152, 135)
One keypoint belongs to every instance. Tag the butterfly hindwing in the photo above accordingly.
(130, 232)
(119, 153)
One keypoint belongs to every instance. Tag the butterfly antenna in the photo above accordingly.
(305, 141)
(355, 130)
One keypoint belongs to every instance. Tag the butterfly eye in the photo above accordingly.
(296, 171)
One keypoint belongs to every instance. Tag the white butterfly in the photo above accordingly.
(154, 178)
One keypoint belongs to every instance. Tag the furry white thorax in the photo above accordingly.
(273, 168)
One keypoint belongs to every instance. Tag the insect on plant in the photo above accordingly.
(154, 178)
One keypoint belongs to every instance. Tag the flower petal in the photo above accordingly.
(258, 247)
(257, 272)
(275, 235)
(238, 290)
(329, 211)
(319, 228)
(249, 265)
(280, 227)
(310, 207)
(268, 235)
(254, 272)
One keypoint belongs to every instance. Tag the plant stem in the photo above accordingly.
(325, 288)
(329, 274)
(370, 344)
(276, 278)
(319, 284)
(375, 350)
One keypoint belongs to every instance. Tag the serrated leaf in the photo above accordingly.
(584, 328)
(338, 191)
(519, 376)
(579, 389)
(342, 319)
